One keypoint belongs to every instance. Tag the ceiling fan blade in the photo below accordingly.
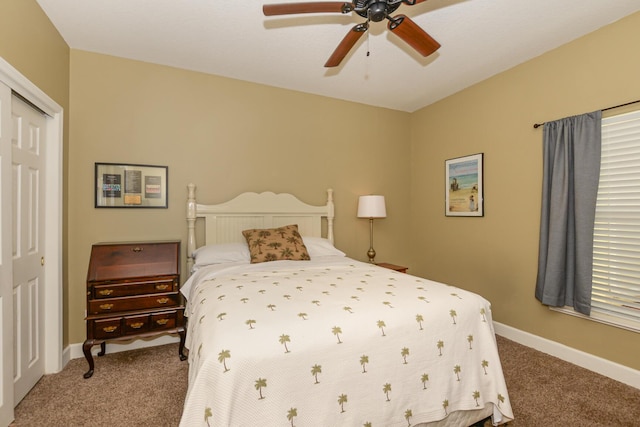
(346, 45)
(410, 32)
(309, 7)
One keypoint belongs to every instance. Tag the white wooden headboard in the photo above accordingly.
(224, 222)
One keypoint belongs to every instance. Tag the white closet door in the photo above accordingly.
(37, 335)
(6, 281)
(28, 146)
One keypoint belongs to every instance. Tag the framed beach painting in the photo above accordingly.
(464, 186)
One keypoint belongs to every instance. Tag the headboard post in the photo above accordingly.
(191, 225)
(330, 214)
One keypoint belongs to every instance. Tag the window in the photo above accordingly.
(616, 256)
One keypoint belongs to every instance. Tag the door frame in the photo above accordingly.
(53, 310)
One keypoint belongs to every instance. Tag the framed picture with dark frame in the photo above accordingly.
(464, 186)
(121, 185)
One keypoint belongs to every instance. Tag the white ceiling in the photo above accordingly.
(232, 38)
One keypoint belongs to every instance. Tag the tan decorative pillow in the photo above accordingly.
(273, 244)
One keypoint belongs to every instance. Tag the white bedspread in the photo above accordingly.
(335, 343)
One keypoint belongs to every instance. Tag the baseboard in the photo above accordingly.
(66, 355)
(74, 351)
(605, 367)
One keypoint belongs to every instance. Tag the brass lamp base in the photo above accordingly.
(371, 253)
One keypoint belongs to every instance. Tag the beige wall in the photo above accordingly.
(496, 255)
(226, 136)
(32, 45)
(127, 111)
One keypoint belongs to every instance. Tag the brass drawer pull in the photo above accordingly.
(163, 300)
(162, 287)
(137, 325)
(162, 321)
(137, 249)
(106, 306)
(105, 292)
(109, 328)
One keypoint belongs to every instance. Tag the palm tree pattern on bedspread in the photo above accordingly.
(347, 344)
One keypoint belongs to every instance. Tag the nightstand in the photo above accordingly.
(398, 268)
(133, 291)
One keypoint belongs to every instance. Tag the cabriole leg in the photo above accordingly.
(86, 349)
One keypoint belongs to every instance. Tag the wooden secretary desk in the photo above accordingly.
(133, 291)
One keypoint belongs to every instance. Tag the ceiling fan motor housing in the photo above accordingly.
(378, 11)
(375, 10)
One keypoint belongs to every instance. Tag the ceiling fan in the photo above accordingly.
(372, 10)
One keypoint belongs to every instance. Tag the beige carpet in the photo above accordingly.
(147, 388)
(546, 391)
(134, 388)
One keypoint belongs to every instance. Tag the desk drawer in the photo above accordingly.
(143, 302)
(114, 290)
(116, 327)
(136, 324)
(106, 328)
(165, 320)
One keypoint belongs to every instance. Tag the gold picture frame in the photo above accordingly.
(464, 186)
(122, 185)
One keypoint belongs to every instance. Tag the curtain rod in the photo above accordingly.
(537, 125)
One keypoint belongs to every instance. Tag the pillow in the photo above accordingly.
(273, 244)
(318, 246)
(220, 253)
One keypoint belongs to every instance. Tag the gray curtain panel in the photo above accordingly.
(569, 191)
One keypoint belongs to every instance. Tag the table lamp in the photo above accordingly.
(371, 207)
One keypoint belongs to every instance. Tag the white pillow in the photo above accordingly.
(318, 246)
(220, 253)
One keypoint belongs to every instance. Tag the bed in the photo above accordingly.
(284, 329)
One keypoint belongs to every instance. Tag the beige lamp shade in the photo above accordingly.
(371, 206)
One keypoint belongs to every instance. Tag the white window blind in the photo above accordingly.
(616, 255)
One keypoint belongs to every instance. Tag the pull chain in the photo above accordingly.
(368, 50)
(368, 32)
